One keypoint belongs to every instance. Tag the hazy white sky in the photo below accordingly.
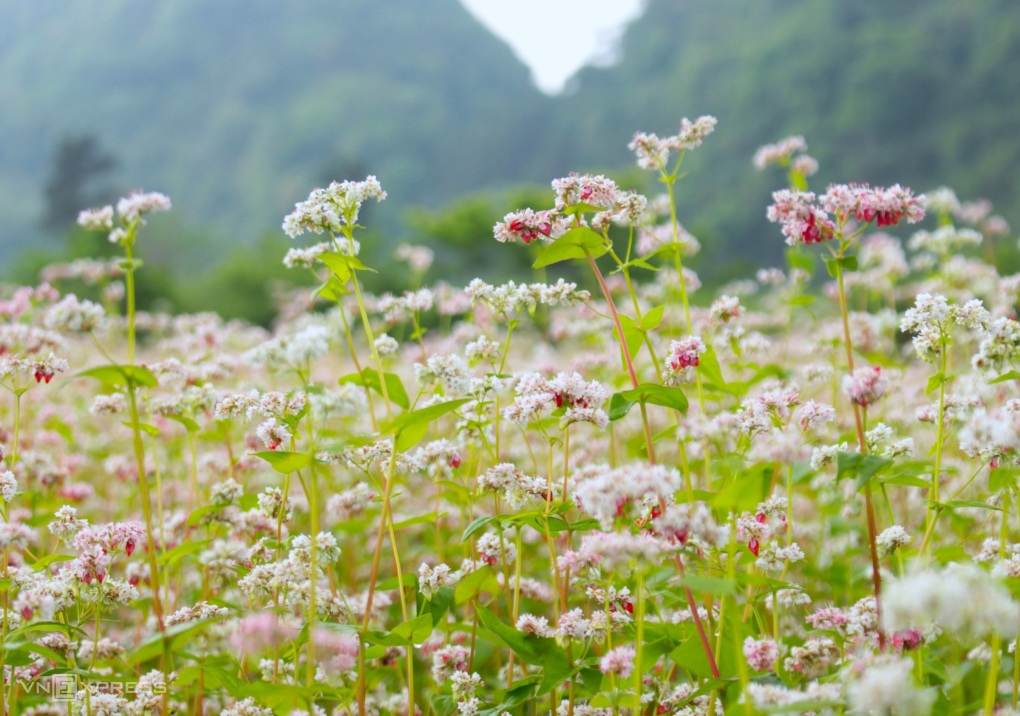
(555, 38)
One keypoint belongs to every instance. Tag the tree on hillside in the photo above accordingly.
(79, 164)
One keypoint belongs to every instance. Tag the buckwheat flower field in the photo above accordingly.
(798, 496)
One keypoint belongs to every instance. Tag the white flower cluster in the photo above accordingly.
(605, 492)
(74, 315)
(511, 298)
(932, 320)
(963, 600)
(295, 350)
(332, 208)
(516, 486)
(582, 400)
(130, 209)
(653, 152)
(448, 371)
(305, 257)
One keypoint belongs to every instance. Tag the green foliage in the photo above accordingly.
(234, 109)
(269, 100)
(912, 92)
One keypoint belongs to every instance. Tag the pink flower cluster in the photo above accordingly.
(527, 225)
(805, 218)
(802, 221)
(885, 206)
(866, 386)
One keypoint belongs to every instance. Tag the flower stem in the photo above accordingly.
(933, 492)
(626, 350)
(876, 576)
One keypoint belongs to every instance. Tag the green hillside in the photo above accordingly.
(923, 92)
(237, 108)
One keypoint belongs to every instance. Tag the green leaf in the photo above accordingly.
(44, 562)
(528, 647)
(848, 263)
(470, 586)
(30, 647)
(410, 633)
(803, 260)
(1002, 478)
(831, 265)
(286, 462)
(71, 631)
(60, 427)
(708, 366)
(477, 525)
(691, 656)
(905, 480)
(131, 264)
(864, 467)
(1011, 375)
(415, 630)
(653, 393)
(745, 491)
(632, 333)
(523, 690)
(182, 550)
(338, 264)
(154, 645)
(369, 378)
(957, 504)
(635, 263)
(429, 518)
(332, 290)
(711, 585)
(800, 707)
(653, 318)
(355, 263)
(190, 425)
(580, 207)
(411, 427)
(197, 515)
(437, 605)
(213, 676)
(572, 245)
(936, 381)
(121, 375)
(144, 427)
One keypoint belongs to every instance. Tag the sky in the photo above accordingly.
(555, 38)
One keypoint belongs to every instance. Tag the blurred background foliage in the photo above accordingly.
(236, 109)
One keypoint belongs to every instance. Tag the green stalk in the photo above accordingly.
(933, 492)
(626, 351)
(876, 576)
(992, 679)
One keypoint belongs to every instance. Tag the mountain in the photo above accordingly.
(237, 108)
(921, 92)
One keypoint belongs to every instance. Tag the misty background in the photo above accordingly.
(237, 108)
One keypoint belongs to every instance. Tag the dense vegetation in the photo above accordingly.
(233, 109)
(883, 90)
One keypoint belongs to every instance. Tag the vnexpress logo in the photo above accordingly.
(64, 687)
(60, 687)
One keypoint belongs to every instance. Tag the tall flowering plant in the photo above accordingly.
(444, 501)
